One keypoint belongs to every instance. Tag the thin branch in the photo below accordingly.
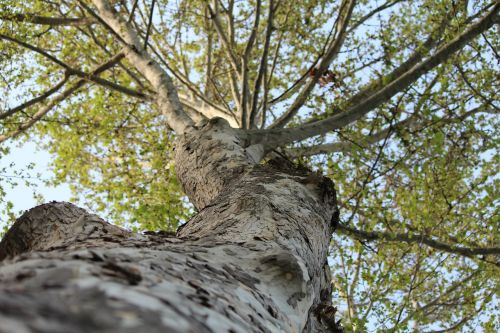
(129, 72)
(474, 90)
(332, 52)
(37, 50)
(223, 37)
(131, 15)
(417, 239)
(148, 29)
(432, 41)
(366, 17)
(52, 21)
(233, 60)
(38, 115)
(101, 21)
(73, 71)
(275, 61)
(263, 64)
(244, 67)
(59, 98)
(204, 106)
(35, 100)
(208, 77)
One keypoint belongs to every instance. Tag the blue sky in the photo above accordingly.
(22, 196)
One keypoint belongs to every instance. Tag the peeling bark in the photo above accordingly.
(252, 260)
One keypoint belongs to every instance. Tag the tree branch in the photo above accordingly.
(148, 29)
(233, 60)
(244, 67)
(224, 39)
(166, 98)
(35, 100)
(332, 52)
(204, 106)
(276, 137)
(262, 65)
(366, 17)
(417, 239)
(346, 147)
(73, 71)
(52, 21)
(59, 98)
(474, 90)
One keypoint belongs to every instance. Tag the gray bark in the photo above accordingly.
(252, 260)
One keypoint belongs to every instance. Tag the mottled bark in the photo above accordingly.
(252, 260)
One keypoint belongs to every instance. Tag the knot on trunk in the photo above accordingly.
(52, 225)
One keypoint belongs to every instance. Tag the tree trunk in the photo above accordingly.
(254, 259)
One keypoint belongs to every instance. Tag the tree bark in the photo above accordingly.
(254, 258)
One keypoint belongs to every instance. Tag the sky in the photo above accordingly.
(22, 196)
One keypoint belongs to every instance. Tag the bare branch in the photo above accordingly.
(208, 76)
(131, 15)
(203, 106)
(223, 37)
(233, 60)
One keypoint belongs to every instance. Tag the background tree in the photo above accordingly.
(395, 101)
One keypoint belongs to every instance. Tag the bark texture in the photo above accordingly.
(252, 260)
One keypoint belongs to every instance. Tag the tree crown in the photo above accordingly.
(395, 100)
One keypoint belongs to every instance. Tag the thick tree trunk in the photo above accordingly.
(252, 260)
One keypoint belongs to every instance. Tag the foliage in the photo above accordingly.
(424, 162)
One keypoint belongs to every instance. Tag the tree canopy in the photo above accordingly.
(396, 101)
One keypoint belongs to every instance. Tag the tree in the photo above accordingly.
(263, 102)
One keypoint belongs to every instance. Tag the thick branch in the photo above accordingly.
(273, 138)
(207, 110)
(409, 123)
(167, 98)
